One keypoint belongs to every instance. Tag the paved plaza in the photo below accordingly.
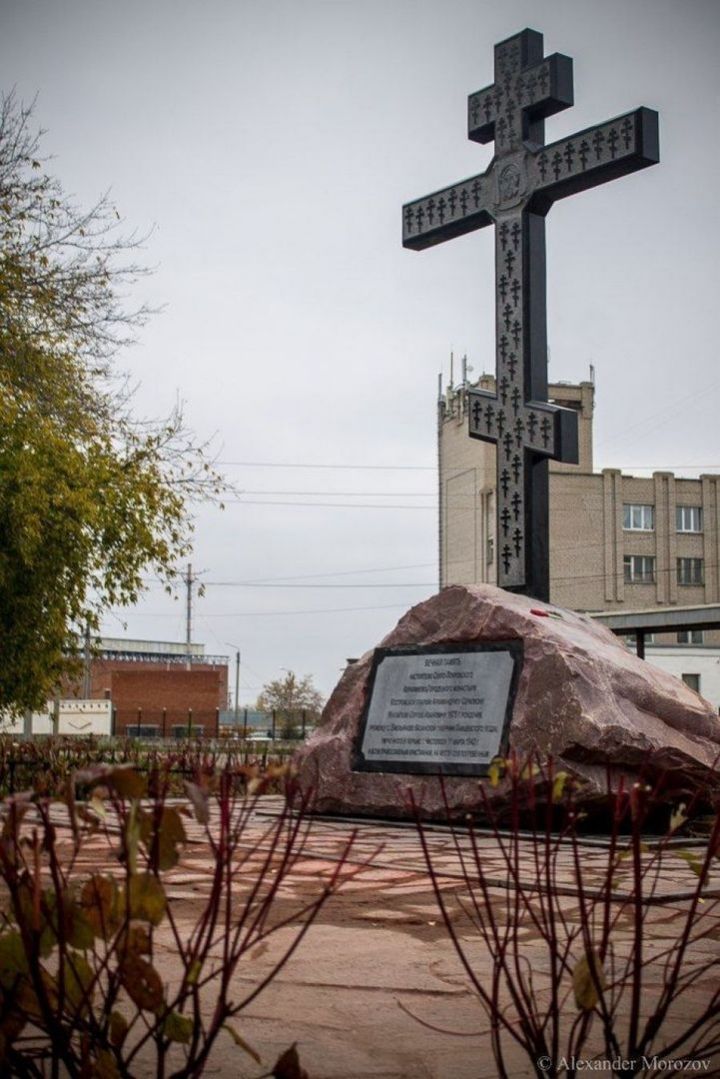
(376, 971)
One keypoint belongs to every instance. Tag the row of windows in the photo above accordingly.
(641, 518)
(640, 569)
(152, 730)
(684, 636)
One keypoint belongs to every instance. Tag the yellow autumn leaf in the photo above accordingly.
(559, 786)
(147, 898)
(101, 903)
(496, 770)
(118, 1028)
(678, 817)
(104, 1066)
(178, 1028)
(78, 982)
(127, 782)
(584, 984)
(239, 1040)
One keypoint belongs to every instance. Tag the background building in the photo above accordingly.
(617, 542)
(158, 687)
(79, 718)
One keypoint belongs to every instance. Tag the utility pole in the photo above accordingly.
(237, 685)
(86, 664)
(188, 620)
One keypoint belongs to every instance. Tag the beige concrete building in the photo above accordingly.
(616, 541)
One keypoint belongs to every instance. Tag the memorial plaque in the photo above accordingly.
(441, 709)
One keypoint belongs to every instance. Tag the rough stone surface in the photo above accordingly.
(582, 698)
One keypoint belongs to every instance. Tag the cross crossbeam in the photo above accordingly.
(514, 194)
(592, 157)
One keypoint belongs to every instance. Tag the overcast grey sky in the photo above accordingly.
(272, 143)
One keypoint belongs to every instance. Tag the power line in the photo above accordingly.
(327, 573)
(418, 468)
(661, 415)
(314, 610)
(659, 468)
(373, 584)
(297, 464)
(345, 572)
(455, 500)
(327, 505)
(353, 494)
(554, 579)
(292, 581)
(668, 571)
(259, 614)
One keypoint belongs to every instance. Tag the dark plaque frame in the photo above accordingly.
(360, 764)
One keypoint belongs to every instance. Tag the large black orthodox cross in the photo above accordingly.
(515, 193)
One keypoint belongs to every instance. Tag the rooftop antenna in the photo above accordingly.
(592, 373)
(452, 367)
(439, 385)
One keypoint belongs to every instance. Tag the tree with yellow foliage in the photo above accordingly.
(91, 498)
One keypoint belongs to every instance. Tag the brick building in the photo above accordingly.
(617, 542)
(157, 687)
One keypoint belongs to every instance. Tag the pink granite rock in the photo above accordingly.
(582, 698)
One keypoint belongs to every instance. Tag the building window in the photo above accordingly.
(181, 731)
(144, 730)
(691, 636)
(688, 518)
(639, 518)
(630, 639)
(692, 680)
(639, 568)
(690, 570)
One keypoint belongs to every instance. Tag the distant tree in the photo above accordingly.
(289, 697)
(91, 497)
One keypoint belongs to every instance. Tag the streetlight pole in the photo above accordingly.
(237, 680)
(288, 712)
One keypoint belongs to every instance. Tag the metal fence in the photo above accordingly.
(164, 723)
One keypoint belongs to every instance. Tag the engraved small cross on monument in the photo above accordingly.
(515, 193)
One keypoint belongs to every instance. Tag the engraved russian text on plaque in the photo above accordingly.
(438, 710)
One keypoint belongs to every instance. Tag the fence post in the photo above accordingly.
(245, 723)
(113, 722)
(303, 724)
(164, 722)
(273, 725)
(217, 722)
(189, 725)
(139, 719)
